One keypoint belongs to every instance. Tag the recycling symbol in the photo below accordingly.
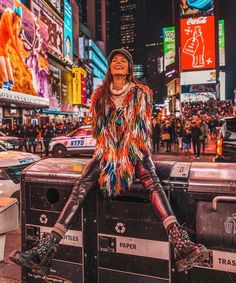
(43, 219)
(120, 227)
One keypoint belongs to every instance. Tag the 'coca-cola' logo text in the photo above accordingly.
(196, 21)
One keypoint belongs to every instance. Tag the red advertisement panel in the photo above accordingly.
(198, 43)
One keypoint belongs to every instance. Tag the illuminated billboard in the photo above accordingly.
(54, 24)
(68, 33)
(193, 7)
(198, 96)
(56, 4)
(221, 38)
(79, 86)
(200, 77)
(169, 46)
(27, 70)
(198, 43)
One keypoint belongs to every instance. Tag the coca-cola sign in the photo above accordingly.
(197, 21)
(198, 43)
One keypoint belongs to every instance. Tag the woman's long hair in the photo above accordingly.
(104, 92)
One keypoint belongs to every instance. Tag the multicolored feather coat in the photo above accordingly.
(123, 137)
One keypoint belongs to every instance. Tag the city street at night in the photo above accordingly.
(117, 141)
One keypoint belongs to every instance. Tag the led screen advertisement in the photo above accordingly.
(56, 4)
(54, 24)
(199, 77)
(55, 87)
(198, 43)
(193, 7)
(28, 61)
(198, 96)
(68, 31)
(221, 39)
(169, 46)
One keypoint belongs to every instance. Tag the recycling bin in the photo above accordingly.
(206, 202)
(46, 187)
(132, 243)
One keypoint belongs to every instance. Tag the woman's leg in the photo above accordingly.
(40, 257)
(3, 72)
(9, 73)
(187, 253)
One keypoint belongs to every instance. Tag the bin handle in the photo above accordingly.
(221, 198)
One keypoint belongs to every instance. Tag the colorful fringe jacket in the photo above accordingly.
(123, 137)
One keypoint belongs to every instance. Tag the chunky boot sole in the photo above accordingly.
(19, 259)
(200, 254)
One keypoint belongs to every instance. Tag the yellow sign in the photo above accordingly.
(77, 84)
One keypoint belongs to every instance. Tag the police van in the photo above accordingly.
(77, 142)
(11, 165)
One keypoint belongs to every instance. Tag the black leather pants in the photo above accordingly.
(145, 172)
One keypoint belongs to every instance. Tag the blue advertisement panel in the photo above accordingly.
(68, 31)
(193, 7)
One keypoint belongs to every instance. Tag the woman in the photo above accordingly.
(121, 118)
(10, 24)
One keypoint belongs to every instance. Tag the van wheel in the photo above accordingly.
(59, 151)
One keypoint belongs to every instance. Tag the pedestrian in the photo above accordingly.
(32, 136)
(204, 134)
(195, 136)
(156, 135)
(186, 139)
(48, 134)
(121, 120)
(166, 135)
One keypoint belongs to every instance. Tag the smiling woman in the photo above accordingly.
(121, 120)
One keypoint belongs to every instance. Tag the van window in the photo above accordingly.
(231, 126)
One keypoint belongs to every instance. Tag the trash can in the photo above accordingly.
(133, 245)
(208, 209)
(9, 217)
(46, 187)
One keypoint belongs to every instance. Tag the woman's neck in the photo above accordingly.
(118, 82)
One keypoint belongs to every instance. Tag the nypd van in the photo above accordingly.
(80, 141)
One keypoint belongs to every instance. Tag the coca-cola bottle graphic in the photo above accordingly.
(195, 47)
(198, 57)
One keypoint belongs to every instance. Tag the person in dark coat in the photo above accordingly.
(156, 135)
(48, 134)
(32, 135)
(195, 135)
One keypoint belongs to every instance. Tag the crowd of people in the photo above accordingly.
(199, 122)
(33, 138)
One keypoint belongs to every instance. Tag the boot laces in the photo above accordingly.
(45, 247)
(180, 238)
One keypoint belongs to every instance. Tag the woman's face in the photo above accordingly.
(119, 65)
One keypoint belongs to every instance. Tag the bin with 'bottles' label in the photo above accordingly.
(46, 187)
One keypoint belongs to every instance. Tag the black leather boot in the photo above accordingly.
(187, 253)
(39, 258)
